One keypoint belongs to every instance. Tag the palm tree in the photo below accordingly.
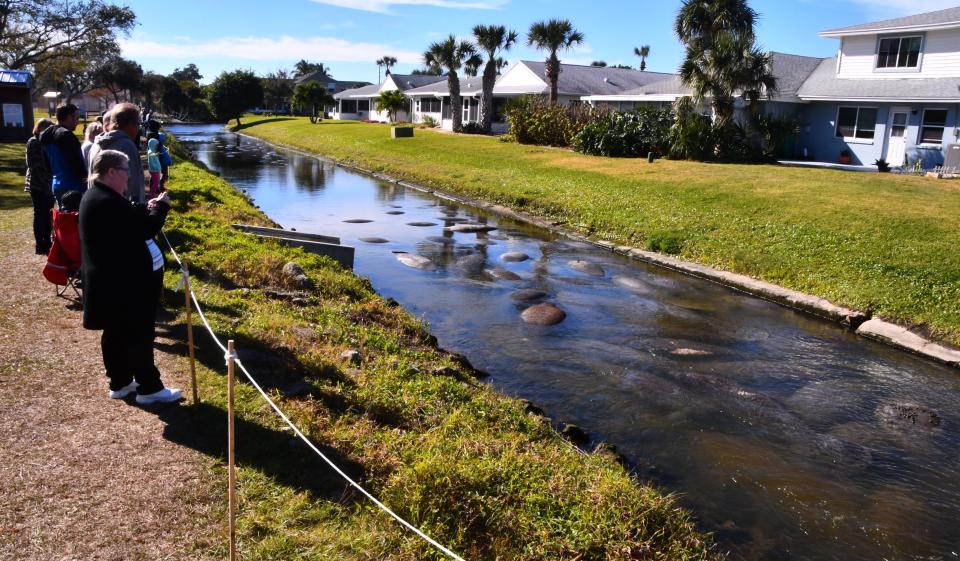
(450, 55)
(492, 40)
(392, 101)
(552, 36)
(722, 60)
(599, 64)
(387, 61)
(642, 52)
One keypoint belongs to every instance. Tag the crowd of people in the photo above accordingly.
(121, 271)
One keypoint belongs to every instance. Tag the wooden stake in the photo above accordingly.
(193, 358)
(232, 476)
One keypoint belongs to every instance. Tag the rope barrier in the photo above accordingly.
(228, 355)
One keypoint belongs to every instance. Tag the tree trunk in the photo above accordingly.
(553, 75)
(486, 99)
(456, 106)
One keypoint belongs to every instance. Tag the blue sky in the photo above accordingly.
(349, 35)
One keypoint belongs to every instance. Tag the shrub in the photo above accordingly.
(779, 135)
(471, 128)
(691, 137)
(429, 122)
(533, 120)
(627, 134)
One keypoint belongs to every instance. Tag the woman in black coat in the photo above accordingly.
(38, 185)
(122, 272)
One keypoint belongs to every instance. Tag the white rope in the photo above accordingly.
(228, 356)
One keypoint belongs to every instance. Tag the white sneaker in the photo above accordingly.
(124, 391)
(166, 395)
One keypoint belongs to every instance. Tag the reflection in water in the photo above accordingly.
(789, 437)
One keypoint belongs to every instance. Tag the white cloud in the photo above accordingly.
(285, 48)
(898, 8)
(383, 6)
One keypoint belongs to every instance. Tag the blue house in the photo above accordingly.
(892, 92)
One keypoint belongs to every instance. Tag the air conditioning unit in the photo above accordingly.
(952, 159)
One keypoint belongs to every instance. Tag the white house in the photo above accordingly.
(361, 103)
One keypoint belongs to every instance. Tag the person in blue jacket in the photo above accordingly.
(64, 154)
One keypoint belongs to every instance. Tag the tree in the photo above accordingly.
(427, 72)
(277, 89)
(450, 55)
(303, 68)
(387, 61)
(392, 101)
(642, 52)
(492, 40)
(311, 94)
(119, 74)
(37, 31)
(599, 64)
(721, 59)
(232, 93)
(552, 36)
(189, 73)
(73, 73)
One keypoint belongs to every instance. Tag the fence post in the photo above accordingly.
(232, 476)
(193, 358)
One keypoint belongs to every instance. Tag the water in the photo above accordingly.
(781, 431)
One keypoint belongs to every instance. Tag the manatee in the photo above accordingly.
(632, 283)
(452, 218)
(503, 274)
(514, 257)
(440, 239)
(469, 228)
(357, 221)
(543, 314)
(586, 268)
(395, 212)
(421, 224)
(374, 240)
(470, 264)
(528, 295)
(416, 262)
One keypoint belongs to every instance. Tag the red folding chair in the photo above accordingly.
(63, 261)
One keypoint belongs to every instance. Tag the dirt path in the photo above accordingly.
(83, 476)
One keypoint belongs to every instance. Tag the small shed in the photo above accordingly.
(16, 107)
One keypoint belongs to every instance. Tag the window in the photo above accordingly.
(428, 105)
(856, 122)
(348, 106)
(934, 121)
(899, 52)
(363, 105)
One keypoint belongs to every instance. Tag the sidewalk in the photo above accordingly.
(83, 476)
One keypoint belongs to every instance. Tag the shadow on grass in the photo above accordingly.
(278, 454)
(260, 122)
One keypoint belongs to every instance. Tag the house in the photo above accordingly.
(360, 103)
(892, 92)
(433, 100)
(332, 86)
(16, 106)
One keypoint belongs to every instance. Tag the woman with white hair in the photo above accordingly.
(122, 272)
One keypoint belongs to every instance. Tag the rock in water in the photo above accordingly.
(357, 221)
(421, 224)
(374, 240)
(503, 274)
(468, 228)
(416, 262)
(543, 314)
(586, 268)
(514, 257)
(471, 264)
(908, 414)
(528, 295)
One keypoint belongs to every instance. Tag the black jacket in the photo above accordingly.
(116, 266)
(65, 157)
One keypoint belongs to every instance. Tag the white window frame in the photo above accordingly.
(855, 139)
(907, 69)
(923, 119)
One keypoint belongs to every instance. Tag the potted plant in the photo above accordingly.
(882, 165)
(845, 157)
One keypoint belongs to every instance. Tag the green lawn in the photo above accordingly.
(878, 242)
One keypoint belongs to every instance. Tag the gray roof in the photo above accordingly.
(939, 19)
(824, 84)
(364, 91)
(668, 86)
(791, 72)
(469, 85)
(596, 80)
(409, 81)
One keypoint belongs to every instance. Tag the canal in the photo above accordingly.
(787, 436)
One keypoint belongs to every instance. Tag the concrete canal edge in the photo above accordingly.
(861, 322)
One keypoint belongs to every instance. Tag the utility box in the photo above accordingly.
(401, 132)
(16, 107)
(951, 159)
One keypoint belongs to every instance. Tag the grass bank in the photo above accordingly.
(473, 468)
(878, 242)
